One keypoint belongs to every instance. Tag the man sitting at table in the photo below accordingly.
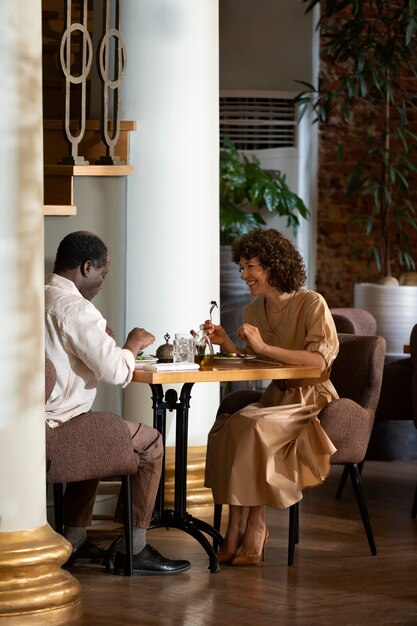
(81, 346)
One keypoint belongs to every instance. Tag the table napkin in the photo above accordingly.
(171, 367)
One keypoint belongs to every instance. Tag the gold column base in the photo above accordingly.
(199, 497)
(33, 588)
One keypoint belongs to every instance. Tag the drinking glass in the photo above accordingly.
(184, 348)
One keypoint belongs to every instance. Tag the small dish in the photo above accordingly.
(228, 360)
(232, 358)
(144, 359)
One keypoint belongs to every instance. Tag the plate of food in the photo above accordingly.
(233, 358)
(144, 359)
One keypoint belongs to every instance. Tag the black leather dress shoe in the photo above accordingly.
(149, 562)
(88, 552)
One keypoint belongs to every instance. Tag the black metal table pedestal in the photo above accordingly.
(178, 517)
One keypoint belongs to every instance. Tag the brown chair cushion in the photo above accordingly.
(91, 445)
(349, 428)
(357, 370)
(354, 321)
(237, 400)
(357, 376)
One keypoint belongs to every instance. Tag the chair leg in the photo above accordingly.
(357, 486)
(217, 520)
(342, 482)
(58, 492)
(343, 478)
(127, 515)
(293, 534)
(414, 509)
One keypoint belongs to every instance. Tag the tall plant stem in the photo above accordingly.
(386, 199)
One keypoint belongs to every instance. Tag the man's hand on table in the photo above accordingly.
(138, 339)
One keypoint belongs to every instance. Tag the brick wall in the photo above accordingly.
(342, 247)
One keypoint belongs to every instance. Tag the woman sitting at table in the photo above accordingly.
(268, 452)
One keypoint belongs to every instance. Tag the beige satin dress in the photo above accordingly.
(267, 453)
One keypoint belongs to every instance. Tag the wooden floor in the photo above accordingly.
(334, 580)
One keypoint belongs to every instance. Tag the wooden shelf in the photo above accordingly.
(59, 179)
(91, 147)
(60, 210)
(88, 170)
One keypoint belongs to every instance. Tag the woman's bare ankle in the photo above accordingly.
(254, 539)
(232, 540)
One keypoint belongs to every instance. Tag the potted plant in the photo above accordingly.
(371, 46)
(247, 190)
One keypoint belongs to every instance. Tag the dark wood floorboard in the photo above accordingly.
(334, 580)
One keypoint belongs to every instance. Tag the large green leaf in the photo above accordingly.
(246, 188)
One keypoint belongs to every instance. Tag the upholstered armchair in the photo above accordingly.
(354, 321)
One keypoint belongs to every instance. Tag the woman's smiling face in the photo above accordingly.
(255, 275)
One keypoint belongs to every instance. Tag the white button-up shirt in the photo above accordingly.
(83, 353)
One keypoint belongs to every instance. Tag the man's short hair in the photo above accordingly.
(77, 248)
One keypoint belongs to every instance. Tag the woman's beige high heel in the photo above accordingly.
(225, 557)
(252, 559)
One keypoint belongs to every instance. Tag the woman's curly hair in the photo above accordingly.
(275, 253)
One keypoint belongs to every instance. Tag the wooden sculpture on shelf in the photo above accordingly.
(85, 57)
(75, 144)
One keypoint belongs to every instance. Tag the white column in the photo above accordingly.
(30, 552)
(171, 89)
(22, 486)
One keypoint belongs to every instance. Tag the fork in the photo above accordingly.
(213, 306)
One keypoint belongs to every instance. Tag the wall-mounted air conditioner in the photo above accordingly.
(264, 123)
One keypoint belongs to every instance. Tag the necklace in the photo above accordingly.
(282, 308)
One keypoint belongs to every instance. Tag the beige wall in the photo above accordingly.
(101, 208)
(265, 44)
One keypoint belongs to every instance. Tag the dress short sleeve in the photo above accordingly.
(321, 333)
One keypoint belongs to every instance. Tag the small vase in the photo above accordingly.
(394, 308)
